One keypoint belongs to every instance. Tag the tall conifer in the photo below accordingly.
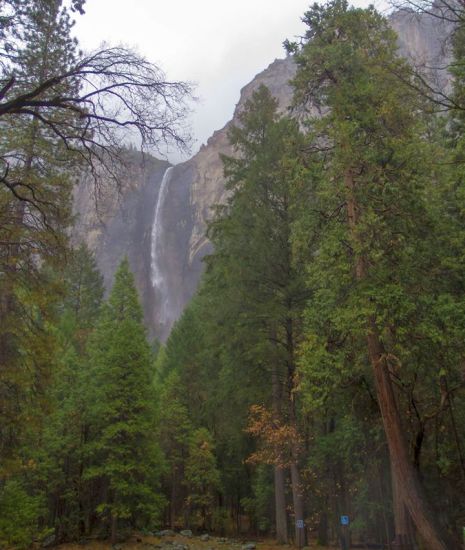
(260, 281)
(34, 213)
(372, 262)
(125, 456)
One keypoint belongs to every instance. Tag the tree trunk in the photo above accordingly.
(296, 485)
(280, 506)
(298, 502)
(323, 529)
(406, 477)
(403, 539)
(279, 481)
(173, 498)
(114, 528)
(384, 499)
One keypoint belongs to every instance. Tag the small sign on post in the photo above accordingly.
(345, 538)
(300, 533)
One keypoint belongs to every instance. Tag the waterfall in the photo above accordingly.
(157, 278)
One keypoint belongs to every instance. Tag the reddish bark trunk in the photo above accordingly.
(404, 536)
(406, 477)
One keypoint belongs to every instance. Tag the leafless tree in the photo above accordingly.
(102, 101)
(120, 94)
(452, 11)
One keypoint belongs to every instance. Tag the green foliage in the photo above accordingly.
(252, 267)
(35, 199)
(202, 477)
(379, 250)
(19, 512)
(260, 506)
(124, 453)
(173, 418)
(84, 292)
(358, 217)
(62, 457)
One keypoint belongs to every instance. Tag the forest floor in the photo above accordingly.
(179, 542)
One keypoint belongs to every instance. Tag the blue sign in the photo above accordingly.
(299, 524)
(344, 520)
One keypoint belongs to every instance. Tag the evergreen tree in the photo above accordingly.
(34, 214)
(125, 456)
(373, 260)
(253, 271)
(62, 457)
(175, 428)
(201, 382)
(19, 512)
(202, 477)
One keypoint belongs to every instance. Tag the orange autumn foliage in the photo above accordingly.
(275, 438)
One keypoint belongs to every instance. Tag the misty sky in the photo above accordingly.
(218, 44)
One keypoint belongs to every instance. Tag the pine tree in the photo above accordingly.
(124, 453)
(253, 269)
(175, 428)
(201, 382)
(373, 257)
(34, 214)
(202, 477)
(62, 456)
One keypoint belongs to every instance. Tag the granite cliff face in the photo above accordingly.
(126, 225)
(117, 224)
(207, 186)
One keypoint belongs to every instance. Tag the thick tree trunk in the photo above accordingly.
(406, 477)
(279, 478)
(382, 497)
(404, 539)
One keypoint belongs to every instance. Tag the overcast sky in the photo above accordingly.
(218, 44)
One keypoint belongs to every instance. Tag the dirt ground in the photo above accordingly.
(176, 542)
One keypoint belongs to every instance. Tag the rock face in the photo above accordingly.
(125, 226)
(207, 185)
(116, 223)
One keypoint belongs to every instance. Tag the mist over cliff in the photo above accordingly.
(160, 217)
